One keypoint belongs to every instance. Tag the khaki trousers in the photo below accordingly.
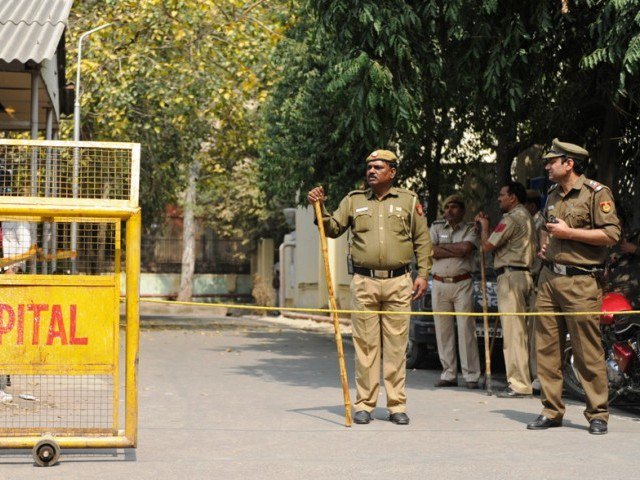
(514, 291)
(375, 334)
(456, 297)
(576, 293)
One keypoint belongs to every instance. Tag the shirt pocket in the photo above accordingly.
(362, 221)
(398, 222)
(579, 217)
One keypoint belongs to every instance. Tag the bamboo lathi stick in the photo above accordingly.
(336, 323)
(487, 350)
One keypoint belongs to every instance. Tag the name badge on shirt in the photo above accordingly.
(362, 209)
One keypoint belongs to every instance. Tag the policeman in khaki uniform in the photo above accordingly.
(388, 228)
(452, 290)
(513, 244)
(581, 224)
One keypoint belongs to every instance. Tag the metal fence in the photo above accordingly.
(164, 255)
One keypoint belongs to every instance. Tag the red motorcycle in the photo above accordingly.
(621, 343)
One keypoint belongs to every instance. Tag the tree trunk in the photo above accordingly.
(506, 151)
(609, 151)
(189, 234)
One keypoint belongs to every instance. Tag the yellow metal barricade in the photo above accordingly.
(64, 210)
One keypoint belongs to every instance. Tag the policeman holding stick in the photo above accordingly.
(388, 231)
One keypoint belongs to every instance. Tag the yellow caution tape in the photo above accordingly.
(386, 312)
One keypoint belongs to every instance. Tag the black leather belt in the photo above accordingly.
(573, 269)
(507, 268)
(367, 272)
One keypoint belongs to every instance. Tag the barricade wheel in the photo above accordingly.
(46, 452)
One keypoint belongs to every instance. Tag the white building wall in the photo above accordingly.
(308, 288)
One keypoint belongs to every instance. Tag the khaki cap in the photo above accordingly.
(385, 155)
(559, 149)
(455, 198)
(533, 194)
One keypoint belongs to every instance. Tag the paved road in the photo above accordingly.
(255, 400)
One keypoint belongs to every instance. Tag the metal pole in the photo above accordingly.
(76, 105)
(54, 193)
(35, 107)
(76, 138)
(46, 233)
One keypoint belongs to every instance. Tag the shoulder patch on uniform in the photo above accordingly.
(500, 227)
(606, 207)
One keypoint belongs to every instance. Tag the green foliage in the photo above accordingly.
(184, 78)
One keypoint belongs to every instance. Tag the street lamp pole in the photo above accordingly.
(76, 138)
(76, 105)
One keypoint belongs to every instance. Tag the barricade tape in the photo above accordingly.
(416, 313)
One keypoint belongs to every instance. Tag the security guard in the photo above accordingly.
(454, 243)
(581, 224)
(388, 228)
(513, 244)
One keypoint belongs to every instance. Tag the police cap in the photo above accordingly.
(455, 198)
(564, 149)
(384, 155)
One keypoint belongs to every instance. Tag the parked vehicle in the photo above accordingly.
(621, 343)
(423, 350)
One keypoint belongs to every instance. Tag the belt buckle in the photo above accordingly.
(560, 269)
(448, 280)
(381, 273)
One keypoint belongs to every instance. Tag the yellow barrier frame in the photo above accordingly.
(133, 218)
(124, 210)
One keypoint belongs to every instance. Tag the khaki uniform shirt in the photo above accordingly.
(514, 239)
(386, 233)
(588, 205)
(441, 234)
(538, 225)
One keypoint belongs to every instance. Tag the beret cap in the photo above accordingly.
(455, 198)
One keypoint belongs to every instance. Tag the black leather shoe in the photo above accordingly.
(399, 418)
(598, 427)
(542, 423)
(362, 417)
(511, 393)
(445, 383)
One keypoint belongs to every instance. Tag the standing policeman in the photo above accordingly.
(452, 291)
(514, 250)
(581, 224)
(388, 229)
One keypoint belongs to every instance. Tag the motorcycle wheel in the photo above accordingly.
(415, 354)
(571, 376)
(572, 379)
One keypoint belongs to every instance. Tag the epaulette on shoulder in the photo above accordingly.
(593, 185)
(407, 191)
(355, 192)
(552, 188)
(439, 222)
